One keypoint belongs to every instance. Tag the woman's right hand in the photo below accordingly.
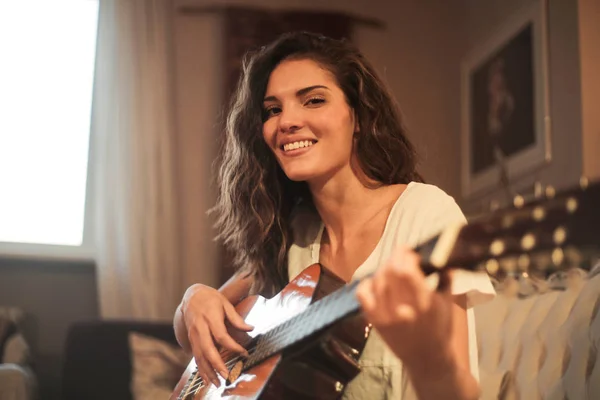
(204, 311)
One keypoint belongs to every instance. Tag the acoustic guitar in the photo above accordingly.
(308, 338)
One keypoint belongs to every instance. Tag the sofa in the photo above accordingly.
(539, 339)
(98, 360)
(17, 379)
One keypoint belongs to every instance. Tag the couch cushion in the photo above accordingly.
(546, 336)
(157, 367)
(97, 360)
(7, 329)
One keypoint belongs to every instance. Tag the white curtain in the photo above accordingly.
(133, 147)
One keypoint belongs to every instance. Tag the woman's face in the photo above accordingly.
(307, 122)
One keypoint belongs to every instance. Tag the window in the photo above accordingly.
(48, 53)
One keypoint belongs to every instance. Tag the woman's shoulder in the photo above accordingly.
(427, 199)
(424, 210)
(426, 192)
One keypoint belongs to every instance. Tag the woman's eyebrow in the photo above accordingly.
(300, 92)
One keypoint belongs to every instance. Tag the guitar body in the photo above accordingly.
(316, 368)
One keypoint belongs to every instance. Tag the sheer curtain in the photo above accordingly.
(138, 268)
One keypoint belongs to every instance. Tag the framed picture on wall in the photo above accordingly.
(504, 90)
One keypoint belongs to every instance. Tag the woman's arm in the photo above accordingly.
(425, 328)
(199, 324)
(448, 377)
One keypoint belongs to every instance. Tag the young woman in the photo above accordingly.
(317, 168)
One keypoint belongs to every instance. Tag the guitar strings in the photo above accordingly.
(196, 386)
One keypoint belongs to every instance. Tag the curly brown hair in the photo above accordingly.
(255, 198)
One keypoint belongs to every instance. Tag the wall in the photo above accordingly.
(419, 55)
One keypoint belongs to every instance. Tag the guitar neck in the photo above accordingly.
(317, 317)
(493, 244)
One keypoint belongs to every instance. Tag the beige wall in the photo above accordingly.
(197, 82)
(417, 55)
(589, 49)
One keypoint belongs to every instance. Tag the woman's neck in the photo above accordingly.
(347, 207)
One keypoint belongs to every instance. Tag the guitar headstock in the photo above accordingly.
(538, 238)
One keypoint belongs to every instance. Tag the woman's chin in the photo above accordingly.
(299, 175)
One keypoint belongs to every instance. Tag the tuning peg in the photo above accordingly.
(559, 236)
(518, 201)
(550, 192)
(538, 213)
(538, 190)
(492, 266)
(558, 256)
(497, 247)
(528, 241)
(584, 182)
(572, 205)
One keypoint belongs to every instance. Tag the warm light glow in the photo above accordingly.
(46, 77)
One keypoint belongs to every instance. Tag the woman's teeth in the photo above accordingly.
(297, 145)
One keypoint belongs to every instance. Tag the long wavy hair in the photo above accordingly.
(255, 198)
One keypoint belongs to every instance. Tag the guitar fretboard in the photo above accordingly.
(317, 317)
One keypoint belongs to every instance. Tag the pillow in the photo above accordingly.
(7, 329)
(156, 365)
(16, 351)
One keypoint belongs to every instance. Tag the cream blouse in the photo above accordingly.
(420, 212)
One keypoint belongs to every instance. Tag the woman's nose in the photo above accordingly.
(290, 120)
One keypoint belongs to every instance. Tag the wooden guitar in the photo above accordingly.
(308, 338)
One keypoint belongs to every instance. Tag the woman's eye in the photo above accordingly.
(271, 111)
(315, 101)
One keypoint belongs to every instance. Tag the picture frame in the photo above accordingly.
(505, 117)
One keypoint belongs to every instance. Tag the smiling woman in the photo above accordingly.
(317, 169)
(46, 76)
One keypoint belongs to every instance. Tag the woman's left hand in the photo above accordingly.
(414, 319)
